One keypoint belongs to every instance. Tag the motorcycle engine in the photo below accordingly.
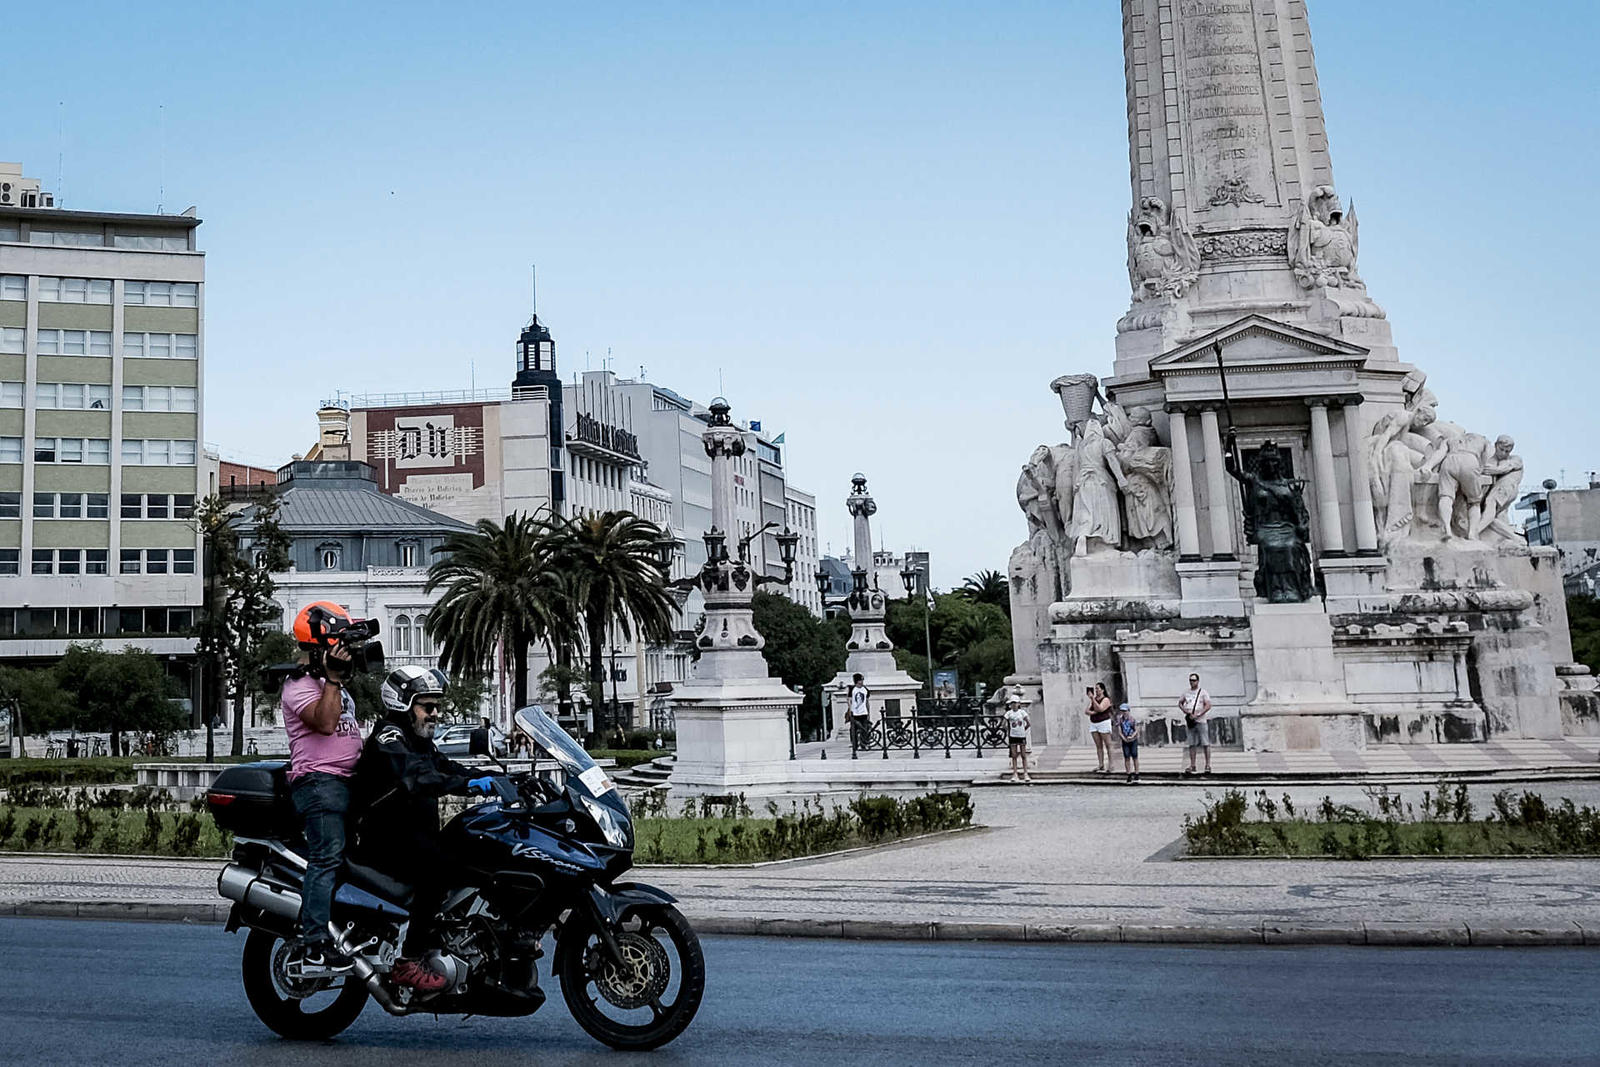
(459, 957)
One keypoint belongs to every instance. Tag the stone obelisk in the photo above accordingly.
(1235, 210)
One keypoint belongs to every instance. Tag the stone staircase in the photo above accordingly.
(646, 776)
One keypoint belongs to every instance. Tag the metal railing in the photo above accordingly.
(940, 728)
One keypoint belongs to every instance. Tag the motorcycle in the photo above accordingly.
(542, 857)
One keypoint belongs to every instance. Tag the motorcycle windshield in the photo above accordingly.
(582, 771)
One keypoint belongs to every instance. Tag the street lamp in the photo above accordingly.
(908, 578)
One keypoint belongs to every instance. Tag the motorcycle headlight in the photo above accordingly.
(611, 824)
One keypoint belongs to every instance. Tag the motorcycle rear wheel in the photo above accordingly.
(591, 984)
(286, 1015)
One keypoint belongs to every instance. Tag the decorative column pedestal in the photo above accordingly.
(1300, 703)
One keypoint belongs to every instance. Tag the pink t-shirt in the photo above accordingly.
(309, 751)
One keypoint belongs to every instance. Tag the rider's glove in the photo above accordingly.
(484, 785)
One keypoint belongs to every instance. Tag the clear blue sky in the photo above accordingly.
(886, 225)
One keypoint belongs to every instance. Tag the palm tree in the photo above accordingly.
(502, 591)
(988, 587)
(609, 563)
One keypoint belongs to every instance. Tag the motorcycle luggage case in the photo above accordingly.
(252, 800)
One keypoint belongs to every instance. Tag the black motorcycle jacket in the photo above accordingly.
(399, 780)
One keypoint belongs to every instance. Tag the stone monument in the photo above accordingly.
(892, 691)
(732, 717)
(1366, 587)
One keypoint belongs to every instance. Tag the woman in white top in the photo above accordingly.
(1099, 712)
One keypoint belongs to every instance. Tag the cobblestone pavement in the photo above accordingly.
(1048, 854)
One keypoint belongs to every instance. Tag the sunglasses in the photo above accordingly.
(429, 708)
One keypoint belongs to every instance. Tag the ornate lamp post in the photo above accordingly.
(908, 578)
(733, 717)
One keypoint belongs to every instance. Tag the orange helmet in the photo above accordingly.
(319, 623)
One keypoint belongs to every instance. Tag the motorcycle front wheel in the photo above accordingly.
(649, 1000)
(300, 1011)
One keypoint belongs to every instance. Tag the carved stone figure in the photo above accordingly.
(1163, 259)
(1036, 494)
(1460, 458)
(1324, 242)
(1147, 467)
(1397, 446)
(1277, 523)
(1096, 515)
(1504, 471)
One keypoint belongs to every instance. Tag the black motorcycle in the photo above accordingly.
(544, 857)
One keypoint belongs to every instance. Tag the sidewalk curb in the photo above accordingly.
(1374, 934)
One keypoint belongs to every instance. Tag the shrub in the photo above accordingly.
(151, 841)
(83, 832)
(30, 833)
(8, 824)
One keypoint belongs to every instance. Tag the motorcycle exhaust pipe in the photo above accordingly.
(245, 886)
(365, 971)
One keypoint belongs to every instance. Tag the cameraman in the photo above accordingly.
(324, 745)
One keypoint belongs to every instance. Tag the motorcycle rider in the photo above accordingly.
(324, 744)
(399, 780)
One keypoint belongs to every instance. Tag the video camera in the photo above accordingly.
(359, 638)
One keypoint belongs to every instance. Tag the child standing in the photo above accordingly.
(1127, 732)
(1017, 725)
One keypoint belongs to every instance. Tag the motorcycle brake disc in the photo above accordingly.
(645, 979)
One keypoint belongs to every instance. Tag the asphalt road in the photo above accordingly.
(129, 993)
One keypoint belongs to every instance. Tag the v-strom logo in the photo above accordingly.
(525, 848)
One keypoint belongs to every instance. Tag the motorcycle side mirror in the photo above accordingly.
(478, 742)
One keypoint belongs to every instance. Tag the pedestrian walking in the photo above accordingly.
(860, 714)
(1099, 712)
(1017, 726)
(1127, 731)
(1195, 703)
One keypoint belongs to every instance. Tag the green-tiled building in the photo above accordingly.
(102, 371)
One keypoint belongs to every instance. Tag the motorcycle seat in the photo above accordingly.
(375, 881)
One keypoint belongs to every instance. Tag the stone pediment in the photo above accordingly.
(1264, 359)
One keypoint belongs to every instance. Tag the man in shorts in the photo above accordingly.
(1195, 703)
(1126, 730)
(1017, 725)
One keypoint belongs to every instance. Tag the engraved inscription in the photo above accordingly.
(1225, 103)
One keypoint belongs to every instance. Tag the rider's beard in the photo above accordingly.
(425, 729)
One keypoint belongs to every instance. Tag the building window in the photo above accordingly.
(183, 561)
(13, 287)
(130, 561)
(10, 560)
(155, 452)
(44, 505)
(329, 553)
(10, 394)
(43, 560)
(402, 635)
(424, 642)
(79, 238)
(160, 294)
(10, 450)
(98, 506)
(158, 397)
(155, 561)
(132, 506)
(69, 561)
(151, 242)
(155, 506)
(75, 290)
(183, 505)
(72, 396)
(13, 339)
(73, 343)
(69, 505)
(94, 560)
(160, 345)
(10, 505)
(408, 553)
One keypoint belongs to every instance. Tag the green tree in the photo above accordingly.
(800, 649)
(974, 638)
(503, 590)
(1583, 618)
(242, 551)
(35, 699)
(988, 587)
(609, 560)
(119, 691)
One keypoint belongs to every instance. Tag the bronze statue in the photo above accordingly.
(1276, 522)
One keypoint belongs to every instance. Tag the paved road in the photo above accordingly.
(118, 993)
(1052, 854)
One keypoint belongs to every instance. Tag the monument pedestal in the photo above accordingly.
(733, 736)
(1210, 589)
(1355, 584)
(1300, 702)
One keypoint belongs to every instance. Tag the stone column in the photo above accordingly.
(1327, 488)
(1217, 486)
(1360, 484)
(1183, 488)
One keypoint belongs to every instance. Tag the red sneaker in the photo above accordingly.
(413, 974)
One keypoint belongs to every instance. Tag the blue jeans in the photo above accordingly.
(322, 801)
